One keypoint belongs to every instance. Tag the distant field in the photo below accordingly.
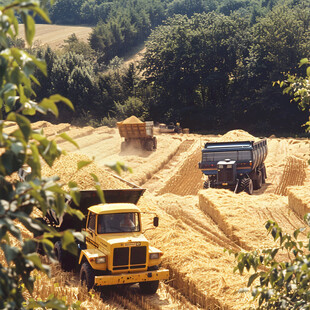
(54, 35)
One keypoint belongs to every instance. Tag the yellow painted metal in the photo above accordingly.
(162, 274)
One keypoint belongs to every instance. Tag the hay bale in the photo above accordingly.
(299, 199)
(66, 169)
(294, 174)
(242, 217)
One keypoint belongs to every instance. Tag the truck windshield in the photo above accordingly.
(232, 155)
(118, 222)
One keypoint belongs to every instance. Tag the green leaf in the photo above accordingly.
(59, 98)
(29, 27)
(69, 139)
(68, 242)
(24, 125)
(252, 278)
(83, 163)
(49, 105)
(303, 62)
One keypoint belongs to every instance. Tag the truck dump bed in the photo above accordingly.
(240, 151)
(90, 198)
(138, 130)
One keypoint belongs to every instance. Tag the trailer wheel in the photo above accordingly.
(87, 275)
(149, 288)
(63, 257)
(257, 183)
(249, 188)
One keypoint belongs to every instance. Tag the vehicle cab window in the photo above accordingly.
(91, 221)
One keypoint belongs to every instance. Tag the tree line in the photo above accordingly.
(209, 71)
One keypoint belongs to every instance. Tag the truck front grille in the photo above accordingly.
(137, 257)
(225, 175)
(121, 256)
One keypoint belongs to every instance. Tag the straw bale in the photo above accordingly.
(299, 199)
(131, 120)
(52, 130)
(193, 250)
(294, 174)
(242, 217)
(237, 135)
(66, 169)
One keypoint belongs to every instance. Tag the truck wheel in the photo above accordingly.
(249, 188)
(148, 288)
(123, 146)
(257, 183)
(206, 184)
(87, 275)
(149, 145)
(154, 143)
(63, 257)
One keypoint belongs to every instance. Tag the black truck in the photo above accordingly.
(238, 166)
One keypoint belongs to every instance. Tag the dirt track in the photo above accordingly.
(195, 224)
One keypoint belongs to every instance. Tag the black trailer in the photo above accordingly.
(238, 166)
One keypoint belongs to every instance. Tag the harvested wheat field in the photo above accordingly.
(196, 224)
(55, 35)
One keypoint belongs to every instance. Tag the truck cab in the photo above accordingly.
(116, 250)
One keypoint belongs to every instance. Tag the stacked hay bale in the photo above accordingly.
(299, 199)
(294, 174)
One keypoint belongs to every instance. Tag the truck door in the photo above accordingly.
(91, 230)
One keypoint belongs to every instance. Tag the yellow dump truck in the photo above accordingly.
(115, 250)
(137, 134)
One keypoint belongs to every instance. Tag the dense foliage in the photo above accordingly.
(24, 146)
(212, 66)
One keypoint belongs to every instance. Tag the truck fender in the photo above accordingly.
(82, 255)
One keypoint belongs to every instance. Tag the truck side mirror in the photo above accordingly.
(155, 221)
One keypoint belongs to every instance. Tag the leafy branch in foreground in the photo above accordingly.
(279, 282)
(299, 88)
(21, 146)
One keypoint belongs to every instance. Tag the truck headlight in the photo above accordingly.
(154, 256)
(100, 260)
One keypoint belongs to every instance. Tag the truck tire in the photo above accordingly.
(243, 184)
(149, 288)
(257, 183)
(149, 145)
(87, 275)
(249, 188)
(206, 184)
(64, 258)
(123, 146)
(154, 143)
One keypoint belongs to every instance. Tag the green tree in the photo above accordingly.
(190, 62)
(26, 146)
(299, 88)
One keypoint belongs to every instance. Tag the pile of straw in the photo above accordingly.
(237, 135)
(66, 169)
